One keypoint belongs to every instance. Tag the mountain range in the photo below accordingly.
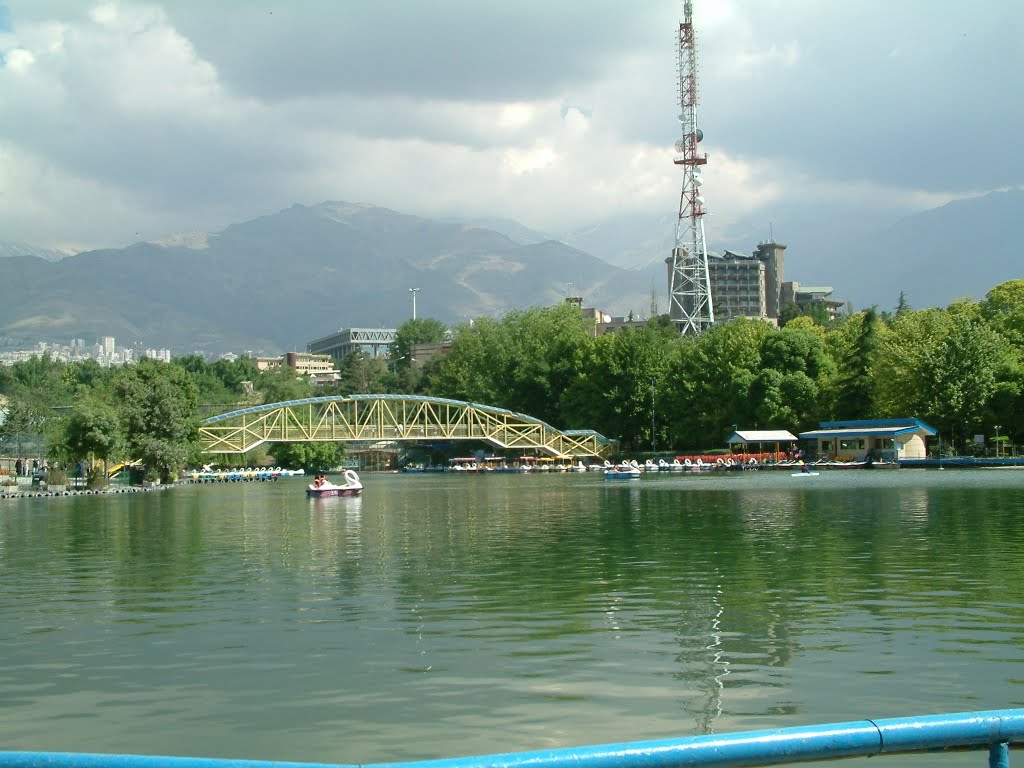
(276, 282)
(279, 281)
(960, 250)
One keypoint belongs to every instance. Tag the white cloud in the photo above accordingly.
(521, 161)
(105, 14)
(19, 60)
(151, 117)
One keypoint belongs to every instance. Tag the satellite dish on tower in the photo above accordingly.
(699, 135)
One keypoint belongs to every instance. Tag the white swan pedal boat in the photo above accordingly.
(322, 487)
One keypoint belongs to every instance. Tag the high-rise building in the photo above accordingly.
(748, 286)
(738, 286)
(773, 256)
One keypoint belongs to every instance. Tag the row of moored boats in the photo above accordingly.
(621, 469)
(241, 473)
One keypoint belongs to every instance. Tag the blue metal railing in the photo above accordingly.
(995, 730)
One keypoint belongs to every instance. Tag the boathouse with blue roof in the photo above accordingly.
(858, 440)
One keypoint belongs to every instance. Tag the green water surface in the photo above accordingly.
(443, 615)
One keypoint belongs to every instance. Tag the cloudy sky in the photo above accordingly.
(130, 120)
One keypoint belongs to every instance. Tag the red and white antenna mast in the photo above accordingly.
(690, 303)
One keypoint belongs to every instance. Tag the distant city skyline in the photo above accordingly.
(105, 351)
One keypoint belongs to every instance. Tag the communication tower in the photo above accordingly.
(690, 303)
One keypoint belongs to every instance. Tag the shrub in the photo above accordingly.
(97, 480)
(56, 477)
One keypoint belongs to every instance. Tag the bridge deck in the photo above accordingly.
(368, 418)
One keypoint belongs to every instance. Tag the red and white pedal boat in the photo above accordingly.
(323, 487)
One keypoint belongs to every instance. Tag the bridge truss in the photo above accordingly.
(378, 418)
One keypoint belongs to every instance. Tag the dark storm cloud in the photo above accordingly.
(446, 49)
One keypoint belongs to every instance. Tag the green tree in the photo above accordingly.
(788, 312)
(156, 404)
(710, 385)
(208, 385)
(22, 419)
(85, 373)
(523, 362)
(796, 350)
(770, 406)
(941, 366)
(423, 330)
(818, 312)
(476, 368)
(38, 380)
(1003, 310)
(361, 374)
(619, 385)
(283, 385)
(962, 371)
(900, 371)
(232, 373)
(903, 306)
(93, 428)
(855, 387)
(309, 456)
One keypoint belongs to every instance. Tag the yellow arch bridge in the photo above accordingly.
(377, 418)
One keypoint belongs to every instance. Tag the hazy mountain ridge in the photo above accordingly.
(278, 281)
(13, 249)
(961, 249)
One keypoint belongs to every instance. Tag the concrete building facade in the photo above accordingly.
(804, 296)
(748, 286)
(739, 286)
(374, 341)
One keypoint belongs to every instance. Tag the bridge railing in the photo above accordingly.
(994, 730)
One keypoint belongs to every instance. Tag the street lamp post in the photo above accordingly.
(414, 291)
(997, 440)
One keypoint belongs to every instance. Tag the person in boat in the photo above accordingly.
(805, 468)
(320, 479)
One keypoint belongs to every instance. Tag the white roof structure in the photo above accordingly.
(762, 436)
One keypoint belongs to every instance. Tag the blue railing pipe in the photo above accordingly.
(995, 729)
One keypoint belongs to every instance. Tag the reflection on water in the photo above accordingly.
(446, 615)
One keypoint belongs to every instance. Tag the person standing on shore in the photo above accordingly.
(18, 466)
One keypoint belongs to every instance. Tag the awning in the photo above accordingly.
(762, 436)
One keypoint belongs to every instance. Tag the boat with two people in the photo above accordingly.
(322, 487)
(627, 470)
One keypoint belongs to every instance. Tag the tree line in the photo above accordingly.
(959, 368)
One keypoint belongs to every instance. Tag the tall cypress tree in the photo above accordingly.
(855, 398)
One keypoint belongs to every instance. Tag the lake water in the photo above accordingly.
(444, 615)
